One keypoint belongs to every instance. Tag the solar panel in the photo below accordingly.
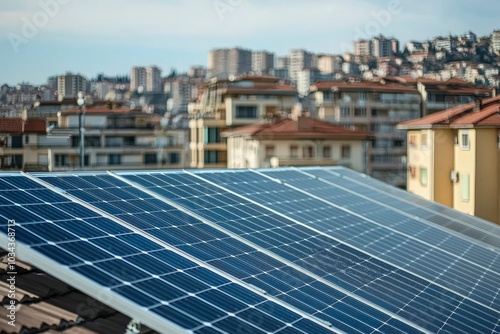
(138, 275)
(309, 250)
(226, 253)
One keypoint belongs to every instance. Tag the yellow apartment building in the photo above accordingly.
(454, 157)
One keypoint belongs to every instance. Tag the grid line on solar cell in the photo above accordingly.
(218, 184)
(136, 275)
(485, 300)
(158, 180)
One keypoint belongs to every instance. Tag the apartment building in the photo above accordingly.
(371, 106)
(299, 59)
(328, 64)
(69, 85)
(454, 157)
(382, 46)
(295, 142)
(262, 62)
(146, 78)
(224, 104)
(363, 47)
(153, 79)
(229, 62)
(439, 95)
(16, 141)
(116, 137)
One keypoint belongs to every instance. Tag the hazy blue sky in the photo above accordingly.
(39, 38)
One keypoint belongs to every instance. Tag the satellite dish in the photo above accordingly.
(170, 104)
(140, 89)
(232, 77)
(274, 162)
(164, 122)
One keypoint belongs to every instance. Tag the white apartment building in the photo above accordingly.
(300, 59)
(227, 62)
(262, 62)
(149, 78)
(69, 85)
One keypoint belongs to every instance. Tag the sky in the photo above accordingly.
(41, 38)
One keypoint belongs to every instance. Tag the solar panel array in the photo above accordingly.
(293, 250)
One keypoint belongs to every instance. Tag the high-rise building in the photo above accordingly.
(329, 63)
(69, 85)
(226, 62)
(149, 78)
(137, 78)
(262, 62)
(299, 59)
(363, 47)
(383, 47)
(283, 62)
(153, 79)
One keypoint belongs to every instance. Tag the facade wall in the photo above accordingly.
(253, 153)
(465, 165)
(487, 175)
(443, 165)
(420, 162)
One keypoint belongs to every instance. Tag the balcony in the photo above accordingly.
(297, 162)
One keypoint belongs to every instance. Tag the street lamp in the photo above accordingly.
(81, 126)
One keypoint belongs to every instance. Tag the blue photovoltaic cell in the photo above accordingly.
(134, 267)
(234, 257)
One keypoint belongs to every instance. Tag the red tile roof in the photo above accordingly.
(363, 86)
(17, 125)
(303, 128)
(461, 116)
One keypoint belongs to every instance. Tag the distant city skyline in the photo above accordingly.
(42, 38)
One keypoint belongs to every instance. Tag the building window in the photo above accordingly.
(114, 159)
(174, 157)
(211, 135)
(327, 151)
(129, 141)
(346, 151)
(413, 141)
(360, 112)
(213, 157)
(294, 151)
(308, 152)
(17, 141)
(413, 172)
(423, 176)
(464, 180)
(150, 158)
(27, 139)
(424, 145)
(464, 140)
(246, 111)
(345, 111)
(269, 151)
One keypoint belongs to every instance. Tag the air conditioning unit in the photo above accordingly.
(454, 176)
